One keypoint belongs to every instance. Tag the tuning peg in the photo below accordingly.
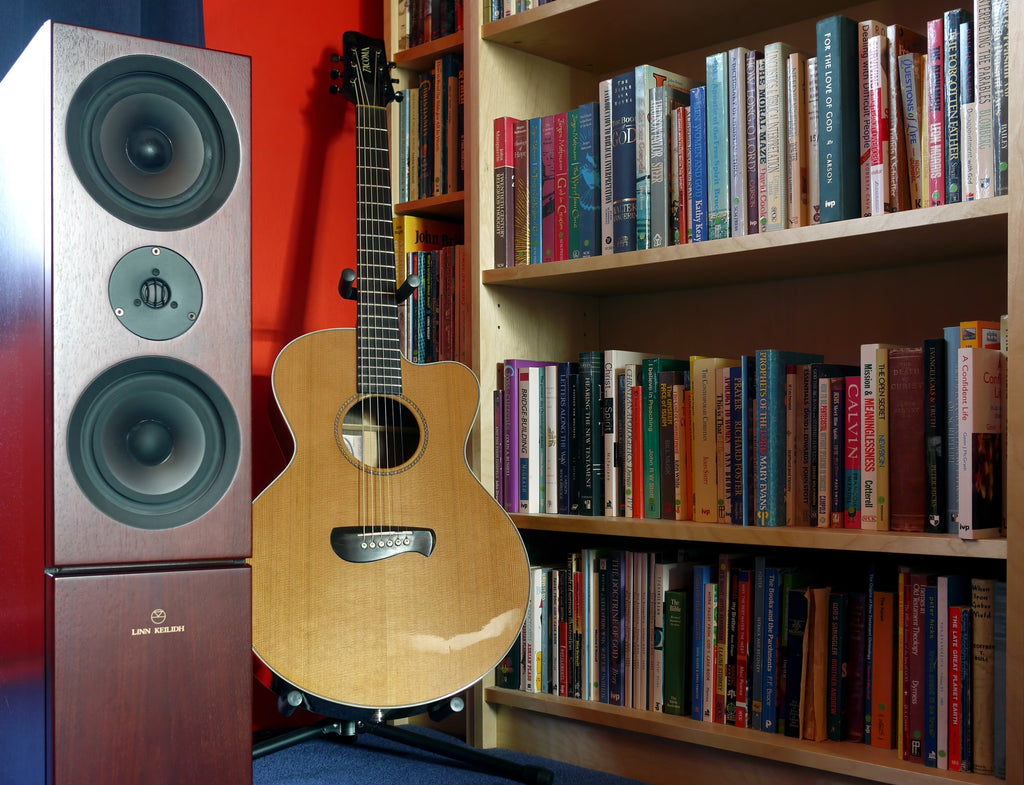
(335, 57)
(399, 97)
(335, 89)
(335, 73)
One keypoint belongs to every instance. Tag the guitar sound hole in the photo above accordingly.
(380, 432)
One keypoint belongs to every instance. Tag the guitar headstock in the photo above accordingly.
(366, 75)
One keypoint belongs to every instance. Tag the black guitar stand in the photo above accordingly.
(348, 731)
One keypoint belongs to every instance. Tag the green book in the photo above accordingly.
(652, 430)
(677, 652)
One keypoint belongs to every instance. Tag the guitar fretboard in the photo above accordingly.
(378, 347)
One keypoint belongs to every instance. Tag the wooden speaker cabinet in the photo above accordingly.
(125, 481)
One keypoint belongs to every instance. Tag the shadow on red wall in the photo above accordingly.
(304, 186)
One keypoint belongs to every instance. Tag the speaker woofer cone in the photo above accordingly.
(153, 142)
(154, 443)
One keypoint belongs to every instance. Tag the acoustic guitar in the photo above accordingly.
(385, 577)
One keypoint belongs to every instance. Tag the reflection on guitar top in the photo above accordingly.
(356, 544)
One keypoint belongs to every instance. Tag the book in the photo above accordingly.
(535, 190)
(624, 193)
(983, 94)
(951, 99)
(677, 652)
(776, 55)
(910, 85)
(718, 146)
(867, 29)
(880, 201)
(547, 187)
(520, 194)
(770, 431)
(979, 443)
(837, 667)
(698, 164)
(907, 483)
(754, 97)
(900, 42)
(794, 660)
(561, 186)
(814, 714)
(504, 191)
(589, 175)
(614, 439)
(983, 675)
(968, 112)
(883, 674)
(742, 109)
(960, 658)
(664, 101)
(703, 394)
(606, 146)
(935, 97)
(851, 452)
(1000, 96)
(838, 118)
(935, 442)
(874, 434)
(652, 368)
(796, 139)
(813, 144)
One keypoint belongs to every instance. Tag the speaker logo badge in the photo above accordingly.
(157, 619)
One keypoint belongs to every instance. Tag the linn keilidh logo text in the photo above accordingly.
(157, 620)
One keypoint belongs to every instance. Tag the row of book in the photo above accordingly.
(420, 21)
(880, 118)
(909, 439)
(431, 132)
(433, 320)
(886, 655)
(499, 9)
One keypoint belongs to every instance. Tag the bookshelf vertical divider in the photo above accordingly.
(722, 297)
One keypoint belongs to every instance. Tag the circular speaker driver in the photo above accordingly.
(154, 442)
(153, 142)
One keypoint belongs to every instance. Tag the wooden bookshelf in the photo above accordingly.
(827, 288)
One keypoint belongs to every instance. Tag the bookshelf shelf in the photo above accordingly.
(846, 758)
(451, 205)
(976, 229)
(908, 543)
(421, 57)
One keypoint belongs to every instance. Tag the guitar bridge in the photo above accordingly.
(355, 544)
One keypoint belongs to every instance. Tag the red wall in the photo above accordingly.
(303, 184)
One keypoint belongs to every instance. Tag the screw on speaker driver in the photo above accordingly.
(155, 293)
(153, 442)
(152, 142)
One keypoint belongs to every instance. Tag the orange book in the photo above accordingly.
(979, 333)
(883, 660)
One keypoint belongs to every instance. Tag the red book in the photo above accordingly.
(883, 670)
(520, 210)
(743, 624)
(852, 452)
(936, 115)
(504, 191)
(561, 186)
(908, 490)
(959, 616)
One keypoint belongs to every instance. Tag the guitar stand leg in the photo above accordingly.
(291, 738)
(532, 775)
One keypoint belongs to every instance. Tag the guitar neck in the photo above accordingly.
(378, 345)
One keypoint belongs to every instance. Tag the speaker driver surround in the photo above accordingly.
(153, 442)
(153, 142)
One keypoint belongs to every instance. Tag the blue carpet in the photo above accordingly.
(327, 760)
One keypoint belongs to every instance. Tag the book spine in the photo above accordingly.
(936, 114)
(605, 138)
(535, 191)
(838, 137)
(660, 155)
(796, 141)
(837, 667)
(983, 86)
(775, 55)
(1000, 96)
(879, 119)
(624, 162)
(909, 75)
(979, 445)
(762, 150)
(813, 144)
(504, 191)
(589, 182)
(866, 30)
(699, 163)
(675, 648)
(642, 189)
(883, 684)
(521, 193)
(968, 112)
(935, 433)
(743, 624)
(738, 130)
(837, 440)
(718, 145)
(951, 103)
(852, 461)
(561, 218)
(751, 142)
(548, 169)
(770, 674)
(573, 214)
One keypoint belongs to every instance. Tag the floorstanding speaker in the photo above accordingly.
(125, 377)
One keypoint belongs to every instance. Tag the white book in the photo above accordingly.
(776, 135)
(796, 142)
(983, 96)
(813, 170)
(615, 362)
(604, 91)
(871, 356)
(551, 439)
(910, 73)
(968, 118)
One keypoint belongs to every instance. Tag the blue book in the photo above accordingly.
(589, 181)
(703, 574)
(624, 162)
(718, 145)
(931, 671)
(536, 192)
(699, 162)
(770, 431)
(573, 154)
(770, 664)
(617, 616)
(566, 373)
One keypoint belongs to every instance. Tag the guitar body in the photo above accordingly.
(401, 629)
